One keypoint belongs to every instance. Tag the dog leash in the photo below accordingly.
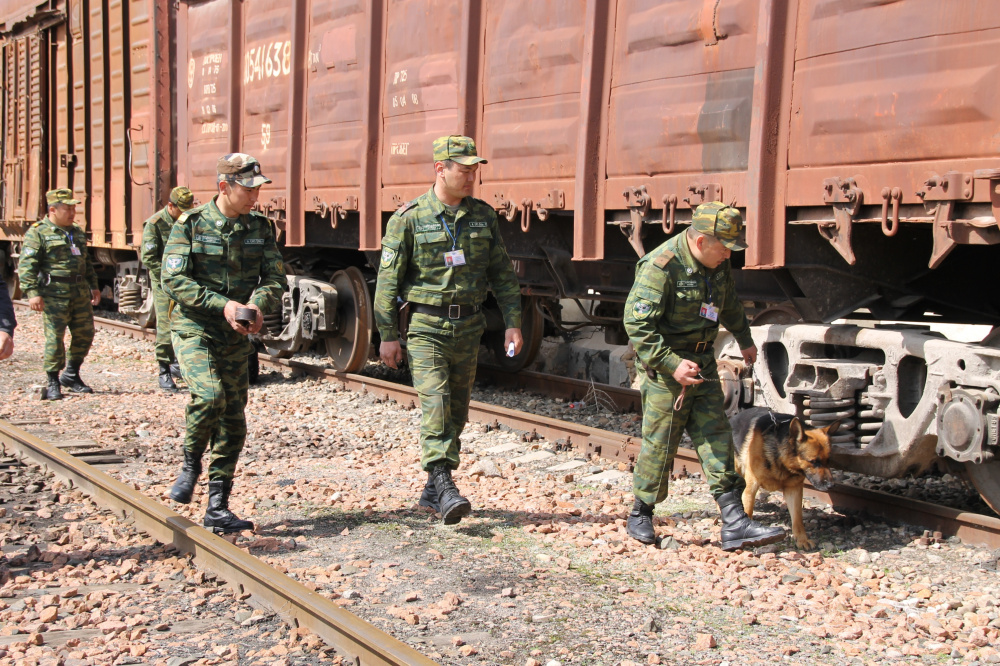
(679, 402)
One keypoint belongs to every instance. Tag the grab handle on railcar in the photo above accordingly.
(896, 195)
(128, 137)
(669, 213)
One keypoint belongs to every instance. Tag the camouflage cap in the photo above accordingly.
(456, 148)
(60, 196)
(722, 221)
(182, 197)
(241, 169)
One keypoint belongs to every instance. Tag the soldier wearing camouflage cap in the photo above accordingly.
(683, 290)
(154, 240)
(220, 257)
(441, 253)
(59, 280)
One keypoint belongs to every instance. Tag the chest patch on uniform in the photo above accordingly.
(174, 262)
(427, 226)
(481, 224)
(641, 309)
(253, 241)
(687, 284)
(208, 240)
(388, 256)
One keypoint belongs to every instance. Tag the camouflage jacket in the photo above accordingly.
(154, 239)
(211, 260)
(413, 261)
(48, 251)
(662, 313)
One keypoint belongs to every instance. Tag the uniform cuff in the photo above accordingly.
(745, 340)
(31, 293)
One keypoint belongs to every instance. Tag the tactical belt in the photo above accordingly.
(72, 279)
(446, 311)
(697, 348)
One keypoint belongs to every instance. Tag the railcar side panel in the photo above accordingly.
(420, 103)
(687, 124)
(533, 64)
(24, 118)
(208, 110)
(335, 122)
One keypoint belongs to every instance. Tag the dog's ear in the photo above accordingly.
(795, 430)
(832, 428)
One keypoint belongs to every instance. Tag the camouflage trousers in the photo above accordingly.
(444, 369)
(703, 416)
(75, 313)
(216, 375)
(164, 349)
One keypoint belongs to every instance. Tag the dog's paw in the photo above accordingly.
(804, 543)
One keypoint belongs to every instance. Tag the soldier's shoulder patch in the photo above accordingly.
(388, 256)
(279, 266)
(641, 309)
(174, 262)
(150, 246)
(663, 259)
(29, 252)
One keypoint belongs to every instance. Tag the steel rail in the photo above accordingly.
(972, 528)
(298, 606)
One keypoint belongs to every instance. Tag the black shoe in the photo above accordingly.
(452, 506)
(739, 531)
(184, 485)
(70, 378)
(52, 391)
(429, 496)
(175, 370)
(640, 522)
(218, 517)
(165, 379)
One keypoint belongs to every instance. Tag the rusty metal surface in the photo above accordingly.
(116, 38)
(420, 101)
(23, 127)
(360, 641)
(91, 127)
(891, 107)
(205, 68)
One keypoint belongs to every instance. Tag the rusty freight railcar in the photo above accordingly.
(86, 106)
(860, 140)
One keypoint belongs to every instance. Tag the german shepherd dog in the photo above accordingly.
(775, 452)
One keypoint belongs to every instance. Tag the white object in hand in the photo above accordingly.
(510, 350)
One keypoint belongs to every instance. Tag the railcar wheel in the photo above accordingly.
(349, 349)
(986, 479)
(784, 313)
(532, 329)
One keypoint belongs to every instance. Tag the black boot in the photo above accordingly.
(175, 370)
(52, 391)
(166, 380)
(429, 496)
(184, 485)
(640, 522)
(738, 531)
(218, 517)
(70, 378)
(452, 506)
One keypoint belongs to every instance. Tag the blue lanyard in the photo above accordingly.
(458, 230)
(69, 236)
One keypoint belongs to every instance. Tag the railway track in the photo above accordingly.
(972, 528)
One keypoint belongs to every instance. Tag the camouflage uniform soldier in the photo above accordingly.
(59, 280)
(154, 240)
(219, 257)
(683, 290)
(441, 253)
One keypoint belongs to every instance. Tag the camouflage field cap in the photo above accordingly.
(60, 196)
(182, 198)
(722, 221)
(241, 169)
(456, 148)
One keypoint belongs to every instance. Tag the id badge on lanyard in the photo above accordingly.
(708, 310)
(74, 250)
(457, 256)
